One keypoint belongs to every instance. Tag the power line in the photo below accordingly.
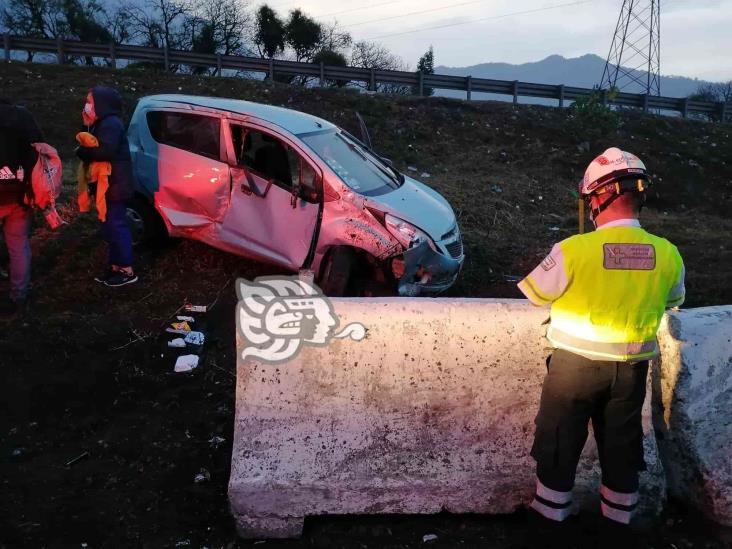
(420, 12)
(525, 12)
(370, 6)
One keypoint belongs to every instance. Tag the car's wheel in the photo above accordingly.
(337, 271)
(145, 224)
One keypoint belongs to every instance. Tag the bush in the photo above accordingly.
(592, 115)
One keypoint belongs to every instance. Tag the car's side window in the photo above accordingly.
(273, 159)
(195, 133)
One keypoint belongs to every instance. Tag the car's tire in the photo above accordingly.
(145, 224)
(335, 279)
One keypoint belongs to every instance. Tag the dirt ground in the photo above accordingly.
(100, 442)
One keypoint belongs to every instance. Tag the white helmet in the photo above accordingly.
(614, 171)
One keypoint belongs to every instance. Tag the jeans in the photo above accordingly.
(116, 233)
(16, 222)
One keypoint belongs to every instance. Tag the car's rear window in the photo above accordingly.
(191, 132)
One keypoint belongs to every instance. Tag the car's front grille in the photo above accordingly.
(455, 249)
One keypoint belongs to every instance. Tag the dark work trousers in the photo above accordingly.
(610, 394)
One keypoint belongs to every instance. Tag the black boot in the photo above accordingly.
(544, 533)
(613, 534)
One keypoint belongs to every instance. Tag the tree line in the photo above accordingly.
(226, 27)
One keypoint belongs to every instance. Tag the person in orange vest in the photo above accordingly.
(608, 290)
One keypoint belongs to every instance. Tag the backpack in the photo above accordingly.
(46, 180)
(46, 177)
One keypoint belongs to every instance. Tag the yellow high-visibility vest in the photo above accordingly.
(608, 290)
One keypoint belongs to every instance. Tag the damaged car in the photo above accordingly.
(287, 188)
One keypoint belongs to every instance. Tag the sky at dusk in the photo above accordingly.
(696, 35)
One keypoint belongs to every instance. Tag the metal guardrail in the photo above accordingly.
(419, 81)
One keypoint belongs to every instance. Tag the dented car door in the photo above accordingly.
(185, 150)
(275, 197)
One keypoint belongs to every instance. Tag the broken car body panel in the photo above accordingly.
(285, 187)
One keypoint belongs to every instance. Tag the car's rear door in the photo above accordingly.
(275, 196)
(184, 151)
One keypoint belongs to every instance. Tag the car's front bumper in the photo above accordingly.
(427, 271)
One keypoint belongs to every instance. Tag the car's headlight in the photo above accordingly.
(407, 234)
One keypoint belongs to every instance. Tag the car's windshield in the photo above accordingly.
(356, 166)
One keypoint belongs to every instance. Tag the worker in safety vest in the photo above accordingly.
(608, 290)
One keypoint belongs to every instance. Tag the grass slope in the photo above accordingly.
(87, 370)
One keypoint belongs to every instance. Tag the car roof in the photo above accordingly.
(295, 122)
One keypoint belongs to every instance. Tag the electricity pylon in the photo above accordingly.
(634, 60)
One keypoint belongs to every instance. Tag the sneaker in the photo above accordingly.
(120, 278)
(101, 278)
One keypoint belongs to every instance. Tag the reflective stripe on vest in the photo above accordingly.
(620, 278)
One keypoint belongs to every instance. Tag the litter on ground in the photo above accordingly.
(186, 363)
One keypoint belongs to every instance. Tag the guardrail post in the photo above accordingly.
(372, 81)
(166, 58)
(6, 45)
(685, 108)
(271, 69)
(60, 50)
(515, 92)
(561, 95)
(469, 85)
(645, 102)
(421, 84)
(218, 64)
(112, 55)
(322, 74)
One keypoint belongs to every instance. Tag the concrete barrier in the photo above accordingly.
(433, 411)
(694, 387)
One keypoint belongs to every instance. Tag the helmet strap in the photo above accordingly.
(594, 212)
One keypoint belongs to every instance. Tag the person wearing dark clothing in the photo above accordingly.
(101, 115)
(18, 130)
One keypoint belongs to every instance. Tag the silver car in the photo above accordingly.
(290, 189)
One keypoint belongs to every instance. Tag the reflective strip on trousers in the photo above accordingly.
(638, 350)
(618, 498)
(615, 514)
(551, 504)
(618, 506)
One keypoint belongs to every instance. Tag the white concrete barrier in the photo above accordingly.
(433, 411)
(695, 427)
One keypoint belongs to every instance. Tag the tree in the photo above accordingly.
(303, 34)
(159, 23)
(716, 92)
(334, 59)
(223, 23)
(370, 55)
(426, 65)
(269, 34)
(36, 18)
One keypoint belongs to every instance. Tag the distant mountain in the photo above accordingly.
(584, 72)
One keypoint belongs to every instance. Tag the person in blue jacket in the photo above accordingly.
(101, 115)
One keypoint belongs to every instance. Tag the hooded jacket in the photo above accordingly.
(113, 145)
(18, 129)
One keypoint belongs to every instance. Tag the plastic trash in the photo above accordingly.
(186, 363)
(177, 343)
(194, 308)
(185, 318)
(427, 538)
(194, 338)
(202, 476)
